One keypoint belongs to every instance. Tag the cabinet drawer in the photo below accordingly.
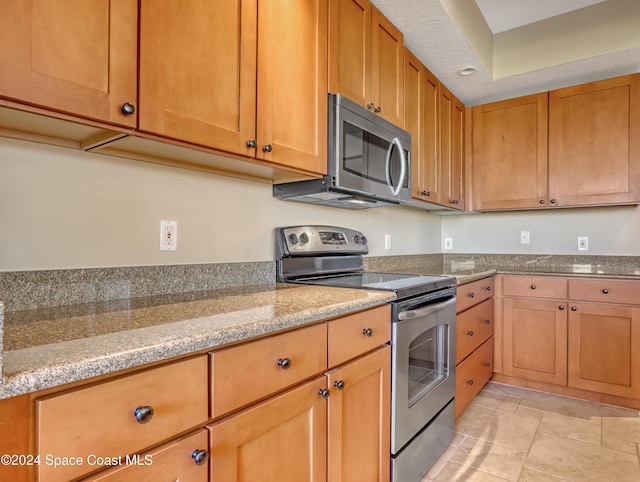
(472, 374)
(473, 293)
(605, 291)
(246, 373)
(101, 419)
(172, 461)
(473, 327)
(535, 287)
(353, 335)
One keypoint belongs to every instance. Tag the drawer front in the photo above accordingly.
(473, 327)
(353, 335)
(605, 291)
(100, 419)
(535, 287)
(472, 374)
(473, 293)
(245, 373)
(175, 460)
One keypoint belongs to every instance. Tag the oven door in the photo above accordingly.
(423, 365)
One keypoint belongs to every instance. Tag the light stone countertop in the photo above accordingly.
(49, 347)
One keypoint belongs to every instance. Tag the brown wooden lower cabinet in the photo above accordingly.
(359, 435)
(472, 374)
(584, 343)
(535, 339)
(604, 349)
(283, 438)
(184, 459)
(474, 340)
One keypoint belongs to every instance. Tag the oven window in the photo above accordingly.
(428, 361)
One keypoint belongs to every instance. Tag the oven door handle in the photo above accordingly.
(426, 311)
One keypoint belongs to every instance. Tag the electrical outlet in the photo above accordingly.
(583, 243)
(524, 237)
(387, 242)
(448, 243)
(168, 235)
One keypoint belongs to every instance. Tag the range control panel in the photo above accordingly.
(319, 240)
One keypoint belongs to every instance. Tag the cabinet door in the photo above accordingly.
(387, 67)
(182, 459)
(283, 439)
(359, 419)
(472, 374)
(451, 149)
(71, 56)
(198, 71)
(292, 84)
(594, 143)
(350, 50)
(421, 120)
(604, 354)
(510, 153)
(535, 340)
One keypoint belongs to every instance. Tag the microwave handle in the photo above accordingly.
(403, 170)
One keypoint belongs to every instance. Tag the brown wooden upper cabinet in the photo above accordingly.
(366, 58)
(594, 143)
(247, 77)
(510, 153)
(71, 56)
(435, 119)
(577, 146)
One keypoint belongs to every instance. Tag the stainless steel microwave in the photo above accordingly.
(369, 162)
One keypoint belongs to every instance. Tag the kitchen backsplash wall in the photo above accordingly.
(61, 209)
(611, 231)
(64, 209)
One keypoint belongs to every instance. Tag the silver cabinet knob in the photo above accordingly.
(284, 363)
(267, 148)
(128, 108)
(324, 393)
(377, 110)
(370, 106)
(252, 143)
(143, 414)
(200, 457)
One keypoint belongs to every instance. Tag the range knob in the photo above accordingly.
(357, 239)
(304, 238)
(293, 238)
(363, 239)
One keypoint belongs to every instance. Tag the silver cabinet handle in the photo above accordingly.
(252, 143)
(367, 332)
(267, 148)
(377, 110)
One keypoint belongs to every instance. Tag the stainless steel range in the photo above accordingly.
(423, 336)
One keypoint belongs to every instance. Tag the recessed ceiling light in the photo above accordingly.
(467, 70)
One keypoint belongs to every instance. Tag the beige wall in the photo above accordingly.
(61, 208)
(611, 231)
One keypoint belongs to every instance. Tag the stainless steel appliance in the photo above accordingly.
(423, 336)
(369, 162)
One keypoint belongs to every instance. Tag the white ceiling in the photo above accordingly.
(504, 15)
(519, 46)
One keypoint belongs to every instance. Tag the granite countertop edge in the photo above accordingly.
(47, 366)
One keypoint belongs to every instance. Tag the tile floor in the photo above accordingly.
(514, 434)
